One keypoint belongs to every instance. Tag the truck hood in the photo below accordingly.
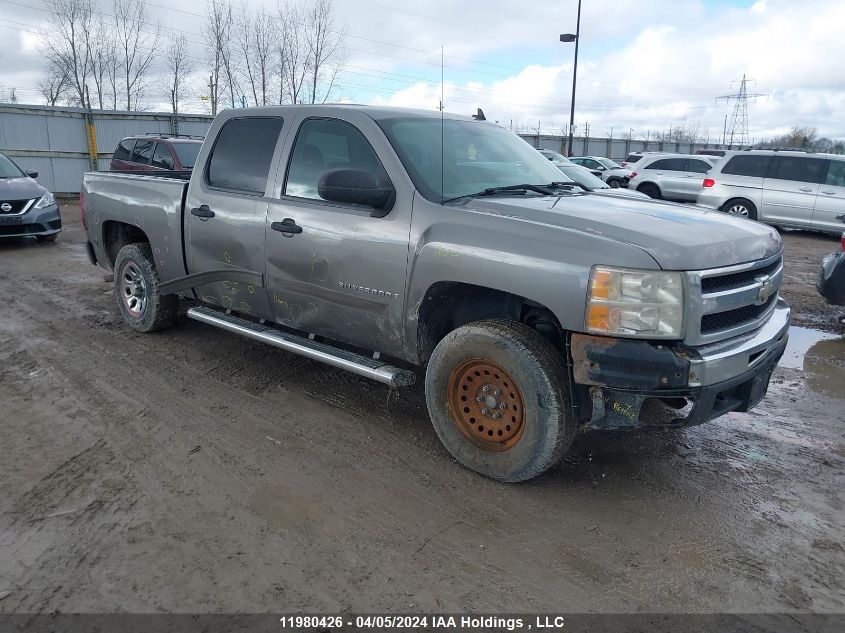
(678, 237)
(23, 188)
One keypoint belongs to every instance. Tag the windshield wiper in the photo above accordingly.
(546, 190)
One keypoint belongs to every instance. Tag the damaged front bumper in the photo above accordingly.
(626, 383)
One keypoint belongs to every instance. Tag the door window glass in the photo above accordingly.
(698, 166)
(798, 169)
(142, 151)
(162, 157)
(242, 153)
(755, 165)
(836, 173)
(326, 144)
(668, 164)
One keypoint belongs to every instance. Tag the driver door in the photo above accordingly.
(332, 268)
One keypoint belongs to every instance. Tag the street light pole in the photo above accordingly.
(569, 37)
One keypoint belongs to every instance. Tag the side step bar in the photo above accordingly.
(357, 364)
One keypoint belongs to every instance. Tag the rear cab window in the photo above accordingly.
(242, 153)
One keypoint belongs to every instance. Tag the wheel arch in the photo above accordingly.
(118, 234)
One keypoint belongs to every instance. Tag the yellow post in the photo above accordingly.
(92, 145)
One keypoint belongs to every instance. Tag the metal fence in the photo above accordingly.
(61, 144)
(615, 148)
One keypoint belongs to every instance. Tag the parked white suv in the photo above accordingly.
(671, 177)
(784, 188)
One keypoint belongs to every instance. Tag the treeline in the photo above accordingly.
(109, 55)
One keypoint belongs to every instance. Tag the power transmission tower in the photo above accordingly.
(737, 128)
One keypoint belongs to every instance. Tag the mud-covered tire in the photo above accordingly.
(157, 311)
(652, 191)
(547, 427)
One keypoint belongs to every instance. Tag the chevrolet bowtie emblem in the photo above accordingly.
(766, 290)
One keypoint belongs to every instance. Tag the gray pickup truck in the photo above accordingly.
(396, 243)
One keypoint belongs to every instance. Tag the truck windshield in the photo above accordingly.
(8, 169)
(187, 153)
(474, 156)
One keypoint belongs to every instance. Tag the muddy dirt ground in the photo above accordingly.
(194, 471)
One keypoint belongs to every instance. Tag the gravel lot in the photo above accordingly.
(193, 471)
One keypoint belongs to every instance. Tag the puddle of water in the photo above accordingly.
(801, 339)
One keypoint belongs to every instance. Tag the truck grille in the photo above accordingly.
(732, 318)
(13, 207)
(738, 280)
(731, 301)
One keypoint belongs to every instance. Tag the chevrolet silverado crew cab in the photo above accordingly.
(398, 243)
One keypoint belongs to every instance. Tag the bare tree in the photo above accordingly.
(255, 39)
(136, 49)
(179, 66)
(54, 84)
(218, 30)
(325, 48)
(64, 44)
(101, 50)
(292, 54)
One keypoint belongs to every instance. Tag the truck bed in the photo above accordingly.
(153, 202)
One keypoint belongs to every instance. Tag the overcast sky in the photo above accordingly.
(644, 64)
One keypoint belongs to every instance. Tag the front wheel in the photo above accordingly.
(614, 184)
(136, 285)
(498, 398)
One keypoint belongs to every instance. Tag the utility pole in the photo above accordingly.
(739, 117)
(576, 37)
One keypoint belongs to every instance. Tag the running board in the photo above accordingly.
(357, 364)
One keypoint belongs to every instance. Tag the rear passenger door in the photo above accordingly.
(670, 175)
(829, 213)
(790, 189)
(697, 168)
(226, 215)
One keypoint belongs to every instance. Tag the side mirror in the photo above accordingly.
(356, 186)
(32, 174)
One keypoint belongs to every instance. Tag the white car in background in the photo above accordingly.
(594, 184)
(614, 174)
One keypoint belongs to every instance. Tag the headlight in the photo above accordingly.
(641, 303)
(45, 201)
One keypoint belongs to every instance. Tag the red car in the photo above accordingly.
(154, 152)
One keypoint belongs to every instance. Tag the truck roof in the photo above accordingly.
(376, 113)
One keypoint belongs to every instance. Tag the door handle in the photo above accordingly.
(804, 189)
(202, 212)
(829, 193)
(286, 227)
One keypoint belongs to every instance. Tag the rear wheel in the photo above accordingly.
(652, 191)
(740, 207)
(136, 285)
(614, 184)
(498, 398)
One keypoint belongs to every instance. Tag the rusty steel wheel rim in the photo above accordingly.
(486, 404)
